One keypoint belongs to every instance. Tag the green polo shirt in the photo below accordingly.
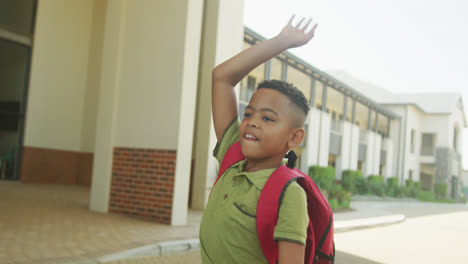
(228, 229)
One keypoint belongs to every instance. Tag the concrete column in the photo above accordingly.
(354, 147)
(312, 92)
(267, 70)
(345, 107)
(111, 68)
(369, 120)
(353, 116)
(377, 148)
(284, 70)
(369, 163)
(311, 150)
(388, 127)
(324, 142)
(222, 38)
(388, 169)
(324, 97)
(342, 162)
(376, 125)
(147, 104)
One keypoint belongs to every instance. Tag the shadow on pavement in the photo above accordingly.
(346, 258)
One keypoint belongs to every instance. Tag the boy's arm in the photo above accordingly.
(226, 75)
(290, 253)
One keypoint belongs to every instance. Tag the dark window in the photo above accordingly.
(17, 16)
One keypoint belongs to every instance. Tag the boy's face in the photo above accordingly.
(266, 129)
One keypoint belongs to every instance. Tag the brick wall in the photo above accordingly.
(143, 183)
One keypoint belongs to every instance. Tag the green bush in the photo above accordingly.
(333, 204)
(324, 177)
(340, 195)
(349, 180)
(362, 187)
(376, 185)
(411, 189)
(392, 189)
(426, 196)
(441, 190)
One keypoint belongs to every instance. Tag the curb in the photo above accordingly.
(152, 250)
(182, 246)
(350, 225)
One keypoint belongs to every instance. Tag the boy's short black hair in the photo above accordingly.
(289, 90)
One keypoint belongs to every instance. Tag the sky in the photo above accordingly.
(400, 45)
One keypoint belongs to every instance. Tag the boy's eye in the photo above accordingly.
(247, 114)
(266, 118)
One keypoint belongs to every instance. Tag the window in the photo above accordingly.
(427, 144)
(413, 132)
(359, 165)
(331, 160)
(17, 16)
(410, 174)
(247, 88)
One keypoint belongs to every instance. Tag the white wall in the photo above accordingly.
(151, 77)
(313, 135)
(457, 119)
(377, 148)
(324, 141)
(439, 125)
(368, 168)
(388, 168)
(342, 162)
(354, 147)
(59, 72)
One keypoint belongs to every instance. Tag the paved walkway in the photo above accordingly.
(52, 224)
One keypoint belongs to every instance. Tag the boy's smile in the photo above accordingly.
(266, 128)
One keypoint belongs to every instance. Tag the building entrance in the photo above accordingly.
(16, 30)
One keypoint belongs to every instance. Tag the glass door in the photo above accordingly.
(16, 33)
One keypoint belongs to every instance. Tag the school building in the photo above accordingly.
(115, 95)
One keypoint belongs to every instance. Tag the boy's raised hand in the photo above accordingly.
(226, 75)
(298, 35)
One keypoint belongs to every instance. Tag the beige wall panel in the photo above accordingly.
(301, 80)
(276, 69)
(58, 78)
(152, 74)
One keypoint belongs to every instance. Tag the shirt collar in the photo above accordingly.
(257, 178)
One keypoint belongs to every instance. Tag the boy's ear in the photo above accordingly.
(296, 138)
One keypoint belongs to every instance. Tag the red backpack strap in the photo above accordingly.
(268, 207)
(319, 246)
(232, 156)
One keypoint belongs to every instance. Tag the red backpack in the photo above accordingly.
(320, 247)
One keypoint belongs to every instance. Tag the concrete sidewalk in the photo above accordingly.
(51, 224)
(180, 251)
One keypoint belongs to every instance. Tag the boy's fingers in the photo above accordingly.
(300, 22)
(306, 25)
(312, 30)
(291, 19)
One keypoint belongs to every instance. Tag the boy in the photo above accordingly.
(272, 125)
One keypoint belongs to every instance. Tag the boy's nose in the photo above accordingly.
(253, 123)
